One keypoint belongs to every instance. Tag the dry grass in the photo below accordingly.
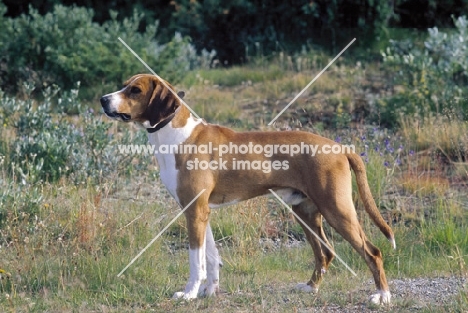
(252, 104)
(424, 185)
(437, 133)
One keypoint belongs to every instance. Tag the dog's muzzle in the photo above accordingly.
(105, 103)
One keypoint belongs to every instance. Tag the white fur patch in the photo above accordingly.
(114, 100)
(178, 295)
(215, 206)
(146, 125)
(197, 260)
(213, 262)
(306, 288)
(204, 264)
(290, 196)
(169, 135)
(392, 241)
(381, 297)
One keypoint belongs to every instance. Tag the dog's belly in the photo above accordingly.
(289, 195)
(218, 205)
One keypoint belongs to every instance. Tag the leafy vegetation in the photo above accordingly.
(238, 29)
(65, 46)
(431, 78)
(44, 144)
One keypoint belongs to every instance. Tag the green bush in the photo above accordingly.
(234, 28)
(49, 144)
(430, 78)
(40, 143)
(65, 46)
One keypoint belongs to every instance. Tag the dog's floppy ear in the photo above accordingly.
(162, 102)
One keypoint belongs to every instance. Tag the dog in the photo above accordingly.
(316, 186)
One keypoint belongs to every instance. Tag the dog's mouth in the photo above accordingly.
(119, 116)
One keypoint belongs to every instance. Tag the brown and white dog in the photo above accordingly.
(315, 186)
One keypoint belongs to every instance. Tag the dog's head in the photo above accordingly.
(144, 99)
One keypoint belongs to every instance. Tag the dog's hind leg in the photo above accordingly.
(213, 262)
(307, 211)
(341, 215)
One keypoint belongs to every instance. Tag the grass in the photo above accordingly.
(250, 96)
(447, 137)
(72, 258)
(63, 244)
(234, 76)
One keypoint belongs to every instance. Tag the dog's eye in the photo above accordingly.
(135, 90)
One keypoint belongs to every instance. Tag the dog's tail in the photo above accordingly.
(369, 204)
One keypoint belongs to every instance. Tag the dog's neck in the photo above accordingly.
(174, 130)
(161, 124)
(179, 118)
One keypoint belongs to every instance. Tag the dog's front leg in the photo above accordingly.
(197, 259)
(197, 221)
(213, 262)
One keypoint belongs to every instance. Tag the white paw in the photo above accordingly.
(178, 295)
(306, 288)
(183, 295)
(208, 290)
(381, 297)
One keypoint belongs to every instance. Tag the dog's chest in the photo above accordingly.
(168, 173)
(164, 138)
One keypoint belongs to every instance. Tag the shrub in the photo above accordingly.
(65, 46)
(49, 144)
(430, 77)
(40, 143)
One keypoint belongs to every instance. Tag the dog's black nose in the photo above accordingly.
(104, 101)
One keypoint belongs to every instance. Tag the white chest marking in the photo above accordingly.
(169, 135)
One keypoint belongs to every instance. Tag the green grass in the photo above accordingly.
(233, 76)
